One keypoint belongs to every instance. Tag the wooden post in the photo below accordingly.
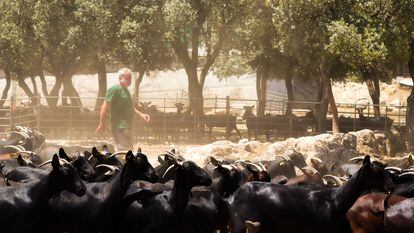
(290, 122)
(215, 105)
(386, 115)
(270, 105)
(194, 128)
(11, 111)
(70, 126)
(227, 117)
(164, 128)
(355, 117)
(12, 103)
(37, 109)
(369, 105)
(257, 121)
(399, 114)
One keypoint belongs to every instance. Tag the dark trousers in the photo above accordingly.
(123, 139)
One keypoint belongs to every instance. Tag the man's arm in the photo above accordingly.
(106, 106)
(144, 116)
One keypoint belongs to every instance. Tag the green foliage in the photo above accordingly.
(303, 31)
(364, 50)
(21, 52)
(61, 34)
(99, 23)
(231, 64)
(362, 38)
(142, 38)
(202, 28)
(257, 40)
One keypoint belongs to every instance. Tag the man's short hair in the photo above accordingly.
(124, 71)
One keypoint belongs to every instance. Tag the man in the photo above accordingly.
(118, 100)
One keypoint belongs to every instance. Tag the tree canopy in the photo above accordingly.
(322, 40)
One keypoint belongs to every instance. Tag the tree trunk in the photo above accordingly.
(332, 104)
(261, 89)
(291, 97)
(195, 94)
(25, 87)
(6, 88)
(321, 110)
(44, 89)
(65, 94)
(35, 91)
(54, 93)
(374, 91)
(141, 72)
(100, 66)
(410, 102)
(27, 90)
(70, 91)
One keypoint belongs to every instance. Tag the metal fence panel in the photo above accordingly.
(222, 117)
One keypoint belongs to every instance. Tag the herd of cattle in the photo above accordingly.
(103, 191)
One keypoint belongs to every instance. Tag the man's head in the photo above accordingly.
(125, 75)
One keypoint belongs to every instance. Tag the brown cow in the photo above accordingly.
(367, 213)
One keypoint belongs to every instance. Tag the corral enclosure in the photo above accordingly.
(77, 125)
(163, 90)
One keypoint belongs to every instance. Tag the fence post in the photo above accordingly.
(270, 106)
(227, 117)
(399, 114)
(257, 120)
(38, 113)
(290, 123)
(369, 105)
(355, 117)
(194, 127)
(164, 128)
(215, 105)
(70, 126)
(11, 111)
(386, 115)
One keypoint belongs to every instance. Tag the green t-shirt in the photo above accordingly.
(121, 107)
